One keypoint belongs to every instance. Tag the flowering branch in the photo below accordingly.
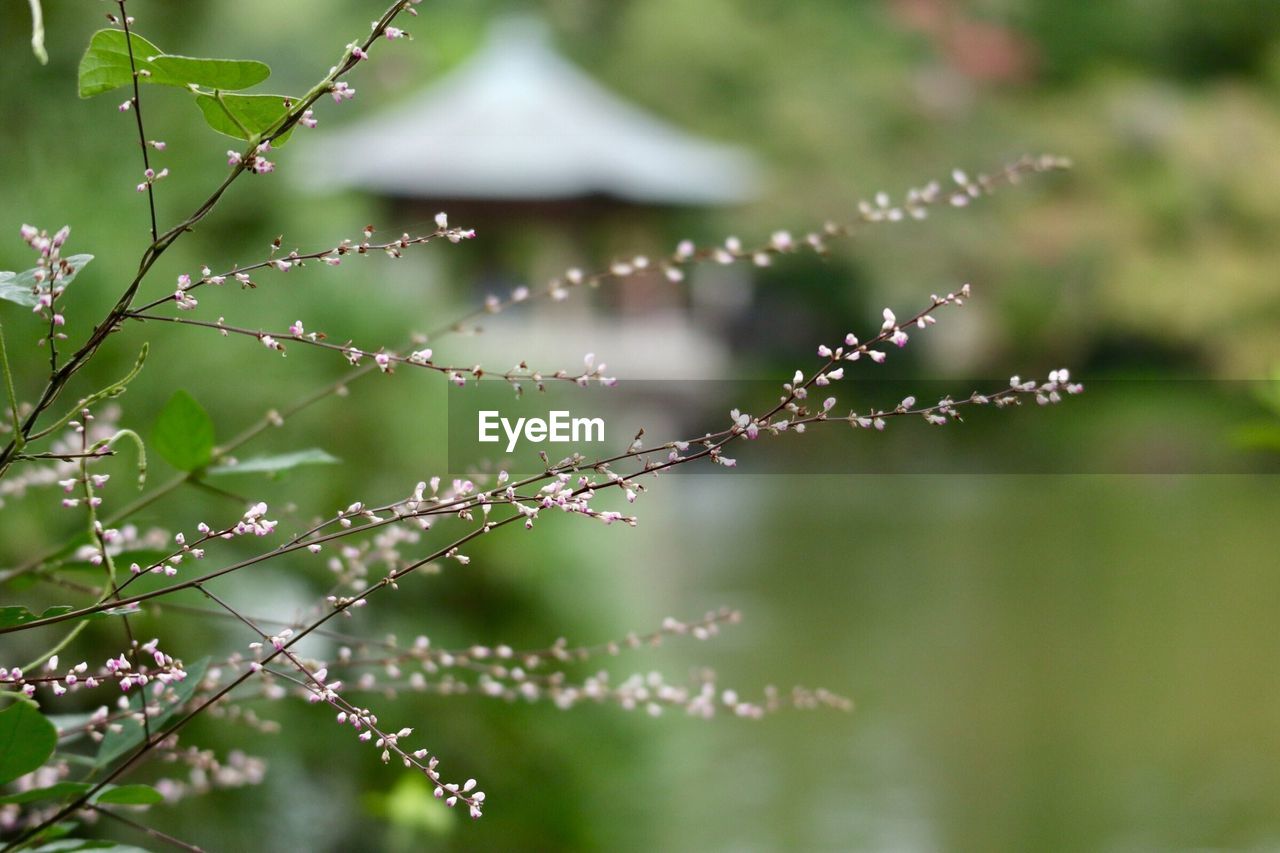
(62, 375)
(384, 360)
(576, 498)
(373, 555)
(330, 257)
(125, 21)
(915, 204)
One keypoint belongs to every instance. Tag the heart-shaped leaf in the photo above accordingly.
(105, 66)
(183, 433)
(71, 268)
(225, 74)
(20, 287)
(13, 615)
(27, 740)
(246, 117)
(11, 291)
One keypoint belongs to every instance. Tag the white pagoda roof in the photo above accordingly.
(518, 122)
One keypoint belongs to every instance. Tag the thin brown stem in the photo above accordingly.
(137, 114)
(147, 830)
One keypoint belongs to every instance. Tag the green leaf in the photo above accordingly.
(277, 464)
(76, 263)
(226, 74)
(130, 733)
(105, 65)
(246, 117)
(11, 291)
(183, 433)
(20, 287)
(129, 795)
(14, 615)
(410, 805)
(56, 791)
(27, 740)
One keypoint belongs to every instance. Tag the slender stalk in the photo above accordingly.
(146, 830)
(137, 114)
(710, 445)
(354, 354)
(1009, 174)
(57, 647)
(161, 243)
(19, 439)
(151, 742)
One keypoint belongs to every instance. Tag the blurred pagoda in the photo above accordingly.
(518, 125)
(552, 170)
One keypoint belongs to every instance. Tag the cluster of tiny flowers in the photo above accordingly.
(510, 674)
(365, 723)
(97, 480)
(181, 297)
(169, 565)
(890, 332)
(50, 272)
(653, 694)
(331, 256)
(454, 235)
(87, 482)
(946, 409)
(881, 208)
(16, 818)
(502, 661)
(16, 484)
(341, 92)
(118, 670)
(119, 540)
(567, 494)
(254, 521)
(386, 361)
(206, 772)
(256, 161)
(151, 176)
(793, 412)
